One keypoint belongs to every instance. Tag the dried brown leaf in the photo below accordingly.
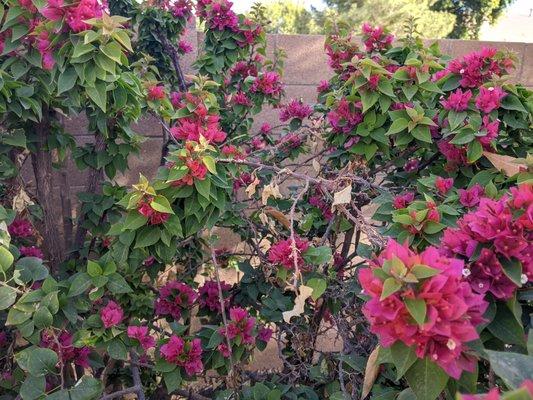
(278, 216)
(371, 372)
(270, 190)
(299, 303)
(343, 197)
(509, 165)
(250, 190)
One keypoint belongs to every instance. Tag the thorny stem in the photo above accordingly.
(294, 249)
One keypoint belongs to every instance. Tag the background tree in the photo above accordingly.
(471, 14)
(289, 17)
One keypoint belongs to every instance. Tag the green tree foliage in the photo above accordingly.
(395, 13)
(288, 17)
(471, 14)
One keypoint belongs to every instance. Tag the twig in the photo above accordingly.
(294, 249)
(136, 376)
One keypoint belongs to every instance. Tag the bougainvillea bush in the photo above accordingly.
(394, 214)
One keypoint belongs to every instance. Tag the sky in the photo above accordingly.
(520, 7)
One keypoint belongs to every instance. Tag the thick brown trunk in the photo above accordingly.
(94, 185)
(42, 168)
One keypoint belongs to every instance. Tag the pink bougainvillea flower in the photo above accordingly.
(489, 98)
(186, 354)
(269, 83)
(21, 228)
(62, 344)
(156, 92)
(240, 325)
(142, 335)
(402, 201)
(457, 101)
(31, 251)
(453, 310)
(111, 314)
(295, 109)
(323, 86)
(209, 295)
(264, 334)
(491, 132)
(173, 298)
(281, 253)
(443, 185)
(470, 197)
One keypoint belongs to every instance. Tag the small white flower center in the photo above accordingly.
(451, 344)
(523, 279)
(466, 272)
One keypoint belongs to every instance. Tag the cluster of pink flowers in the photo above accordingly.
(318, 200)
(375, 38)
(295, 109)
(457, 101)
(268, 83)
(240, 98)
(182, 9)
(419, 224)
(173, 298)
(20, 228)
(290, 141)
(489, 98)
(470, 197)
(209, 296)
(31, 251)
(155, 217)
(504, 230)
(345, 117)
(242, 180)
(240, 325)
(455, 155)
(156, 92)
(74, 14)
(403, 200)
(443, 185)
(323, 87)
(62, 345)
(112, 314)
(479, 67)
(186, 354)
(340, 50)
(282, 253)
(142, 335)
(491, 130)
(218, 14)
(184, 47)
(411, 165)
(453, 310)
(199, 123)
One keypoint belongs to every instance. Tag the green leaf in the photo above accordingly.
(513, 368)
(147, 236)
(81, 49)
(33, 387)
(113, 51)
(8, 295)
(6, 259)
(87, 388)
(16, 317)
(426, 379)
(474, 151)
(513, 270)
(317, 255)
(161, 204)
(390, 286)
(506, 328)
(368, 99)
(161, 365)
(464, 136)
(422, 133)
(117, 284)
(455, 119)
(409, 91)
(66, 80)
(16, 138)
(432, 227)
(403, 357)
(172, 380)
(134, 220)
(203, 186)
(117, 350)
(417, 308)
(80, 283)
(37, 361)
(43, 318)
(318, 285)
(423, 271)
(93, 268)
(210, 164)
(397, 126)
(511, 102)
(98, 94)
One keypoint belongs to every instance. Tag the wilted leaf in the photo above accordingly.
(509, 165)
(21, 201)
(270, 190)
(278, 216)
(299, 303)
(250, 190)
(371, 372)
(343, 197)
